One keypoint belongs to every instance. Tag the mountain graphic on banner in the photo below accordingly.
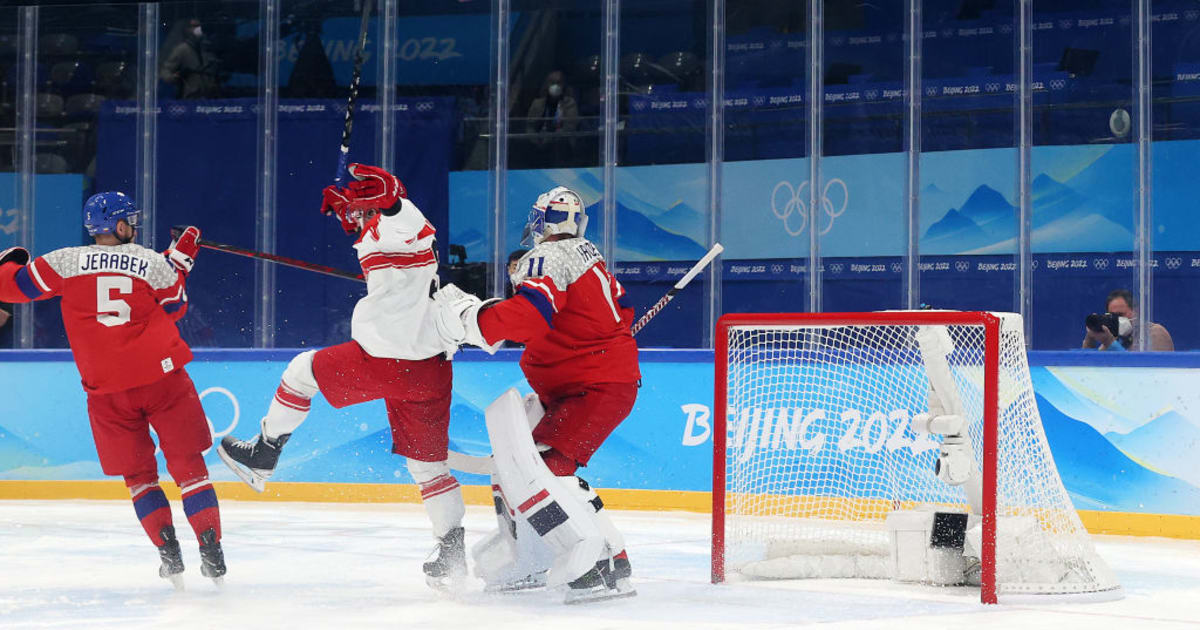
(1098, 476)
(17, 453)
(642, 238)
(1168, 443)
(1064, 219)
(984, 219)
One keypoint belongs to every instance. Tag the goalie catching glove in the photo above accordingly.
(373, 191)
(458, 318)
(182, 252)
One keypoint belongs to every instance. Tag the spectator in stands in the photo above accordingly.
(6, 316)
(554, 108)
(513, 257)
(553, 111)
(190, 66)
(1120, 303)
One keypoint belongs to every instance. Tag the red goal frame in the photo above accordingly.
(991, 366)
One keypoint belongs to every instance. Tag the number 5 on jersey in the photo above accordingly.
(109, 311)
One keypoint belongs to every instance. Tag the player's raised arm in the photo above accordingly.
(25, 281)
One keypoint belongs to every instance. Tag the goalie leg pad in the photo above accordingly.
(293, 397)
(550, 505)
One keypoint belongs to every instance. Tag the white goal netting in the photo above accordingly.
(820, 449)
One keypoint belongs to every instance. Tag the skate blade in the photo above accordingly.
(516, 586)
(219, 581)
(598, 595)
(252, 479)
(177, 581)
(622, 588)
(447, 584)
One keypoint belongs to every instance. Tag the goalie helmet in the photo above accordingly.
(558, 211)
(103, 210)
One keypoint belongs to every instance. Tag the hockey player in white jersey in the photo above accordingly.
(395, 354)
(581, 360)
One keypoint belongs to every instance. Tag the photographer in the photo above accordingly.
(1117, 328)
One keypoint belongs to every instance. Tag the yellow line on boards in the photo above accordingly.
(1117, 523)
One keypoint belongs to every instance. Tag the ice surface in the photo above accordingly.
(87, 564)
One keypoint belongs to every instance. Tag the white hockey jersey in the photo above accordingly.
(396, 318)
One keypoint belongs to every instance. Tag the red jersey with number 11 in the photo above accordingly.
(119, 306)
(567, 311)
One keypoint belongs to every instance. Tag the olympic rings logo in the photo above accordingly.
(794, 201)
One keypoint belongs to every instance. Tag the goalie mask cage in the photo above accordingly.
(813, 447)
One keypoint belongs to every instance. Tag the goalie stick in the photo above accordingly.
(683, 282)
(344, 153)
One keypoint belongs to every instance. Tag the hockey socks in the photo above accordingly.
(440, 493)
(151, 507)
(293, 397)
(200, 506)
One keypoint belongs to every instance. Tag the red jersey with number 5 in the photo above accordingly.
(567, 311)
(119, 306)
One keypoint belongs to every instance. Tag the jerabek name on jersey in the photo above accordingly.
(99, 262)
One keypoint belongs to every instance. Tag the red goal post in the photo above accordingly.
(789, 339)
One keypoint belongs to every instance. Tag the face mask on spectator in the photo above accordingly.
(555, 90)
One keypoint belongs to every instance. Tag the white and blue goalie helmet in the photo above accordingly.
(558, 211)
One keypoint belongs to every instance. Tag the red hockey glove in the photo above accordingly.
(336, 201)
(375, 188)
(183, 250)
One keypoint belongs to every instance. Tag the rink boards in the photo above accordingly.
(1121, 429)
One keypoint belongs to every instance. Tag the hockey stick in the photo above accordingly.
(281, 260)
(683, 282)
(344, 154)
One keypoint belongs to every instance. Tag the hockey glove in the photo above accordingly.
(183, 250)
(374, 188)
(450, 302)
(454, 303)
(18, 255)
(336, 201)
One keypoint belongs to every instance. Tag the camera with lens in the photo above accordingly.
(1115, 324)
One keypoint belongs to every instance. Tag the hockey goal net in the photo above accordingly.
(829, 428)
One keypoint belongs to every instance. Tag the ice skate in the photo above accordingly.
(212, 559)
(609, 579)
(172, 559)
(253, 460)
(447, 565)
(527, 583)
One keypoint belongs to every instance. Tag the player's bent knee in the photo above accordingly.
(424, 472)
(299, 375)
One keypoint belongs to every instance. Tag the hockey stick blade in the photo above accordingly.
(717, 248)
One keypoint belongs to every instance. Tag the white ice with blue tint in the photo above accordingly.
(87, 564)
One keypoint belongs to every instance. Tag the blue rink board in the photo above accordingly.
(1121, 427)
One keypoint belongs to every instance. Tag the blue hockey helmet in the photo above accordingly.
(103, 210)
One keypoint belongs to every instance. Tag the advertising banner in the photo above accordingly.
(1116, 448)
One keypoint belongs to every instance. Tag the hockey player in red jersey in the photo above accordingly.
(120, 302)
(582, 362)
(395, 354)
